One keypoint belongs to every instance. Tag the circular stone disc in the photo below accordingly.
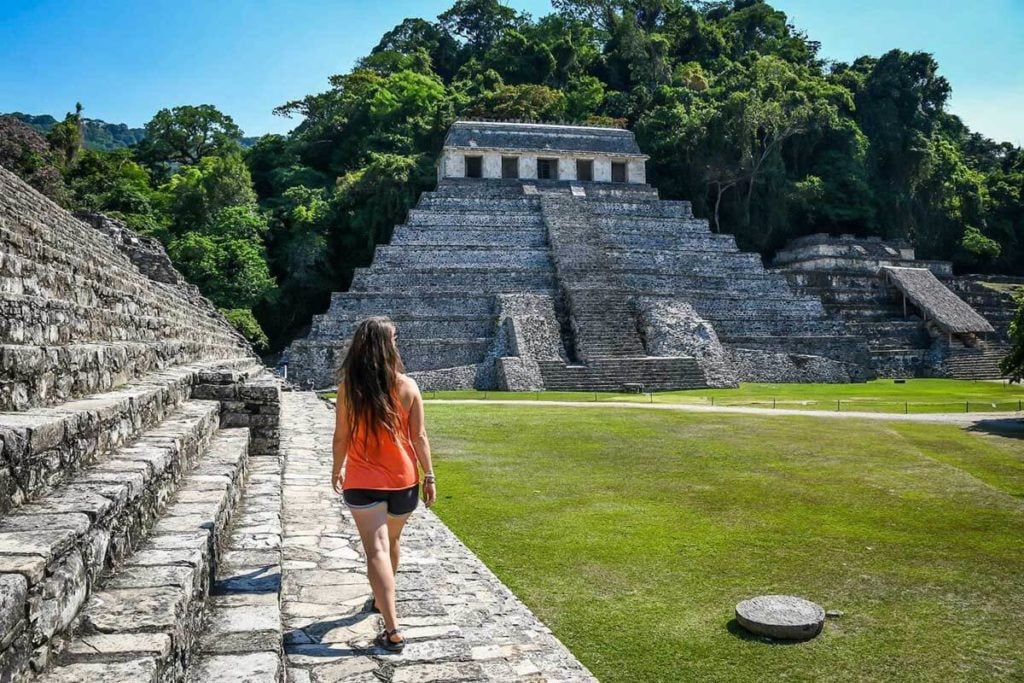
(781, 616)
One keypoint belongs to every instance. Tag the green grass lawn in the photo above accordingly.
(915, 396)
(633, 534)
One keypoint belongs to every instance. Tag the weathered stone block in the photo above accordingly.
(142, 670)
(13, 596)
(59, 597)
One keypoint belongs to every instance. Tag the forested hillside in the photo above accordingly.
(737, 109)
(97, 134)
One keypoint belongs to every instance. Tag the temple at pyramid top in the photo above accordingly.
(533, 151)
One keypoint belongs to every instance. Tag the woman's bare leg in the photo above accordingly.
(372, 524)
(395, 526)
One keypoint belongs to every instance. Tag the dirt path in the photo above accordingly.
(1006, 419)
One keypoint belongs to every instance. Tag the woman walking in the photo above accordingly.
(379, 437)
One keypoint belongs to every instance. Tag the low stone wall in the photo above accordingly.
(447, 379)
(754, 365)
(903, 363)
(247, 399)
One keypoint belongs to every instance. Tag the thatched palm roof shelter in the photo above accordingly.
(938, 304)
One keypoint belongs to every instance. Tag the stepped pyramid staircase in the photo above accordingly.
(130, 415)
(591, 250)
(604, 322)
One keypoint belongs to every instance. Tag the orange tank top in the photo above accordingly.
(381, 462)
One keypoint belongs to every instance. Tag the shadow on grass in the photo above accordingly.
(733, 627)
(1012, 428)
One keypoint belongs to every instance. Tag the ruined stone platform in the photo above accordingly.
(461, 622)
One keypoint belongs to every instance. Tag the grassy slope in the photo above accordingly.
(923, 395)
(633, 534)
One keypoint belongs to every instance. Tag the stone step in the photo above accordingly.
(45, 375)
(770, 327)
(431, 202)
(611, 374)
(73, 274)
(447, 279)
(457, 219)
(847, 348)
(151, 608)
(53, 235)
(867, 313)
(241, 639)
(348, 305)
(662, 208)
(418, 327)
(465, 237)
(417, 354)
(42, 447)
(669, 241)
(655, 226)
(62, 542)
(412, 256)
(36, 319)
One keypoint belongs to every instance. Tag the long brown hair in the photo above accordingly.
(369, 375)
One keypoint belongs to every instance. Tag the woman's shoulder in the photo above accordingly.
(408, 384)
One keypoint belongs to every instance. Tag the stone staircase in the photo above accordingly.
(130, 413)
(602, 316)
(603, 321)
(618, 374)
(992, 296)
(965, 362)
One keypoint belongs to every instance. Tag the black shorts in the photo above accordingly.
(400, 502)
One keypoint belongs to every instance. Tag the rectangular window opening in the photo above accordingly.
(547, 169)
(510, 167)
(618, 171)
(474, 167)
(584, 169)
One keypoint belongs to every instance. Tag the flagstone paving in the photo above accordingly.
(461, 622)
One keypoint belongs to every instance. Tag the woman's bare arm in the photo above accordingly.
(421, 444)
(340, 442)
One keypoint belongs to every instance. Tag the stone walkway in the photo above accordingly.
(461, 622)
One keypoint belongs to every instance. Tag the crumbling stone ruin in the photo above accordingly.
(131, 417)
(918, 319)
(543, 260)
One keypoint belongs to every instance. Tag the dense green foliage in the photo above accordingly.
(735, 106)
(633, 533)
(1013, 364)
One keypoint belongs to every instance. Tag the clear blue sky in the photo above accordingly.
(125, 60)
